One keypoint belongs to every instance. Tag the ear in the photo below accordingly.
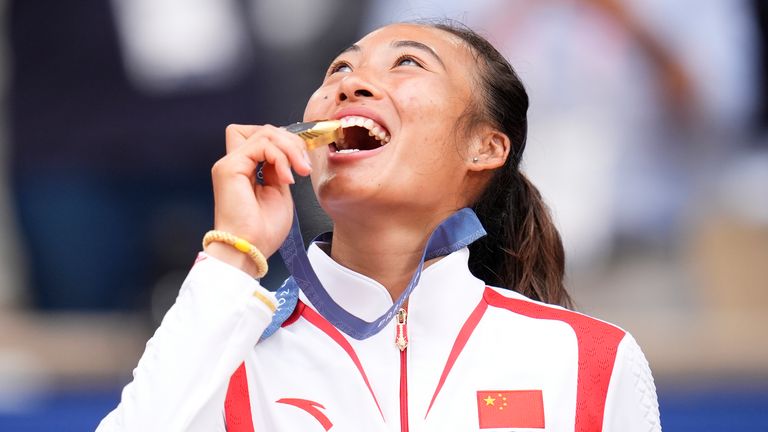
(488, 150)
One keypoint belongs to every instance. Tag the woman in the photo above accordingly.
(447, 121)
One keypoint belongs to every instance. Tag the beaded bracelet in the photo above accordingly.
(240, 244)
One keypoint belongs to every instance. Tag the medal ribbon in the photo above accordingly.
(454, 233)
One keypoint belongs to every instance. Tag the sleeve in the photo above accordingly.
(631, 404)
(181, 380)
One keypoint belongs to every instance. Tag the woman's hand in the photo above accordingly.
(261, 214)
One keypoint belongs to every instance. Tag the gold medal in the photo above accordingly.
(317, 134)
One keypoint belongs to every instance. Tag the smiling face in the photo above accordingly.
(409, 85)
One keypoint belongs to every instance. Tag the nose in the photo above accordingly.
(355, 87)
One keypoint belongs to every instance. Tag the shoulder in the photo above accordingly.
(615, 385)
(598, 343)
(583, 325)
(631, 401)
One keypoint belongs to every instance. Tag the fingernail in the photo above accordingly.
(306, 159)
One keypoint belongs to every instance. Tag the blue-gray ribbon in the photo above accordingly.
(454, 233)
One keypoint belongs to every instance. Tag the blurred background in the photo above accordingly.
(648, 136)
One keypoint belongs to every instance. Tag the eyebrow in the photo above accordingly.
(353, 47)
(419, 46)
(400, 44)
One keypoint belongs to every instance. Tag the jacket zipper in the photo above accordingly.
(401, 341)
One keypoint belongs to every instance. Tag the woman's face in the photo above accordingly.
(408, 85)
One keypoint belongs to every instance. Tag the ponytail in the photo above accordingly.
(522, 251)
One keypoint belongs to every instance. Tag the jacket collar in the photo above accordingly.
(446, 284)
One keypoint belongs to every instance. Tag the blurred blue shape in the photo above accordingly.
(63, 411)
(716, 407)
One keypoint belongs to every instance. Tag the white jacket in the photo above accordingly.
(477, 358)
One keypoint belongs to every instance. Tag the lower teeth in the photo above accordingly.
(353, 150)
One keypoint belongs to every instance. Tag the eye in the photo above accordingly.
(407, 60)
(339, 66)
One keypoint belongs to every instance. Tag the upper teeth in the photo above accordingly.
(374, 129)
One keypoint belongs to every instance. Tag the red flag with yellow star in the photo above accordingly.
(510, 408)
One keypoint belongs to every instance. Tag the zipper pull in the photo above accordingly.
(401, 340)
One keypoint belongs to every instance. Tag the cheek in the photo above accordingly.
(432, 159)
(317, 103)
(318, 158)
(431, 128)
(319, 178)
(431, 107)
(419, 98)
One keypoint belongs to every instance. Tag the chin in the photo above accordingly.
(348, 200)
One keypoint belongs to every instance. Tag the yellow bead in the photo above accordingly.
(242, 245)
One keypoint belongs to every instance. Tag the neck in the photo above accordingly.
(387, 249)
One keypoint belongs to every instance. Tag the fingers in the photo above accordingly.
(236, 135)
(260, 214)
(269, 144)
(280, 168)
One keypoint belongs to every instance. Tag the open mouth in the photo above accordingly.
(360, 134)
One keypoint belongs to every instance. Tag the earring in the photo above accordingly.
(475, 159)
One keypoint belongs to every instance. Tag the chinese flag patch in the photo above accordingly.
(510, 409)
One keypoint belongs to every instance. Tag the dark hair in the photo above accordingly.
(523, 250)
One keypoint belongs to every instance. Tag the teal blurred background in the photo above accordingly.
(648, 138)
